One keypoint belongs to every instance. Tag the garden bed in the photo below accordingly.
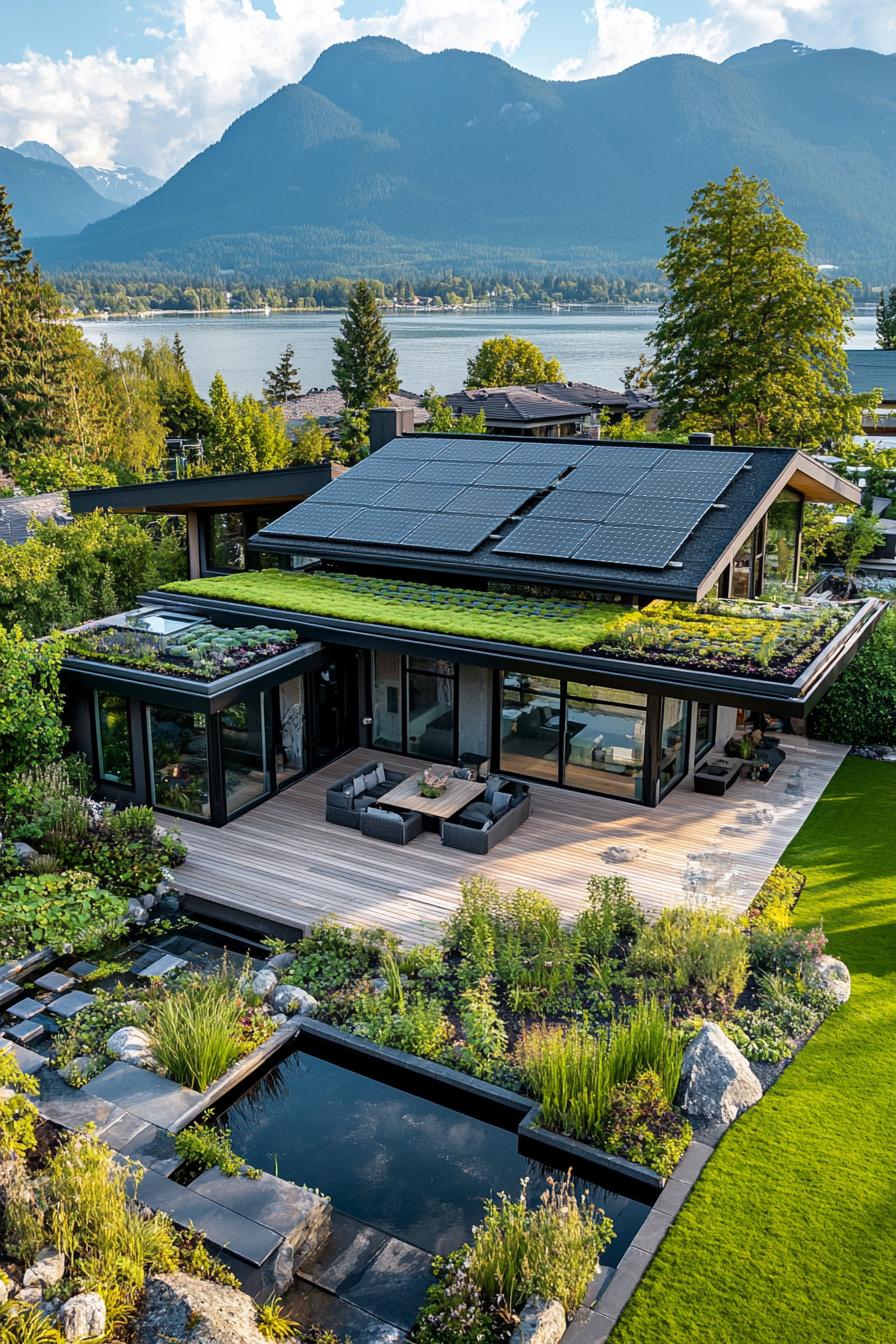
(201, 652)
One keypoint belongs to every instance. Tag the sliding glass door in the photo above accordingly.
(414, 702)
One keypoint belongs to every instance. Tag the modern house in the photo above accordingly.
(550, 410)
(869, 369)
(575, 613)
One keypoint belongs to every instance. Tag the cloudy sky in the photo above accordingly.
(150, 82)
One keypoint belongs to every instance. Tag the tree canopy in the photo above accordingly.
(507, 361)
(442, 419)
(244, 434)
(282, 382)
(751, 339)
(886, 319)
(365, 365)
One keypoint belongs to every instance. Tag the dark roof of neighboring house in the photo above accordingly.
(873, 368)
(18, 513)
(244, 488)
(594, 397)
(328, 403)
(515, 405)
(540, 510)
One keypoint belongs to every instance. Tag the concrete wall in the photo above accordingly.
(474, 691)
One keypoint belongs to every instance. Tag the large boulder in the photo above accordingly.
(281, 961)
(832, 976)
(292, 1001)
(82, 1317)
(182, 1310)
(48, 1268)
(136, 912)
(541, 1322)
(131, 1045)
(264, 984)
(717, 1082)
(25, 853)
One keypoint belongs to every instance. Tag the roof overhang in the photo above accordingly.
(245, 489)
(793, 699)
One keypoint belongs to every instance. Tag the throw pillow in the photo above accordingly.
(358, 785)
(487, 825)
(371, 781)
(500, 802)
(380, 773)
(493, 782)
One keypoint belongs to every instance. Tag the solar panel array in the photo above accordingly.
(617, 504)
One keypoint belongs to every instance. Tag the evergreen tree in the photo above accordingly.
(750, 341)
(886, 319)
(282, 382)
(354, 437)
(180, 354)
(365, 366)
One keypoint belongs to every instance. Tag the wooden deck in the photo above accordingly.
(283, 861)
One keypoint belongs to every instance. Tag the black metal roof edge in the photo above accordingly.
(200, 491)
(649, 678)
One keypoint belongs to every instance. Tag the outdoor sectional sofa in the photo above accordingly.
(349, 798)
(484, 824)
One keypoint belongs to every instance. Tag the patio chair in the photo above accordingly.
(349, 797)
(398, 828)
(482, 825)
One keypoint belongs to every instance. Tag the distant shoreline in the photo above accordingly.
(610, 309)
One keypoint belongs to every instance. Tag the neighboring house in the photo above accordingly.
(551, 410)
(18, 514)
(456, 605)
(875, 368)
(639, 405)
(325, 405)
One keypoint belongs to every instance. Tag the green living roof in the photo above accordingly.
(754, 639)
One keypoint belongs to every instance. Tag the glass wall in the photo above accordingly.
(781, 544)
(242, 753)
(531, 715)
(604, 741)
(387, 729)
(430, 700)
(705, 728)
(178, 759)
(673, 742)
(227, 541)
(742, 567)
(113, 740)
(288, 703)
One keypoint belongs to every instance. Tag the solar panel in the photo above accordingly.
(555, 537)
(695, 459)
(650, 549)
(614, 454)
(606, 479)
(347, 490)
(530, 476)
(405, 447)
(382, 467)
(316, 520)
(470, 450)
(451, 532)
(450, 473)
(583, 506)
(488, 500)
(548, 454)
(706, 485)
(648, 511)
(422, 495)
(382, 526)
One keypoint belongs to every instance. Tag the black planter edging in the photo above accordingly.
(483, 1101)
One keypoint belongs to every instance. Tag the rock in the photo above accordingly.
(25, 852)
(4, 1291)
(293, 1001)
(32, 1294)
(179, 1308)
(278, 1019)
(163, 888)
(136, 913)
(379, 985)
(131, 1045)
(149, 900)
(264, 984)
(541, 1322)
(624, 853)
(169, 904)
(832, 976)
(48, 1268)
(281, 962)
(717, 1082)
(82, 1317)
(83, 1066)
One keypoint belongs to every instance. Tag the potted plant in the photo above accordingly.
(433, 782)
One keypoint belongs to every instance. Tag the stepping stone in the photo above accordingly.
(312, 1306)
(26, 1008)
(70, 1004)
(394, 1284)
(24, 1032)
(297, 1213)
(82, 968)
(349, 1251)
(56, 982)
(49, 1024)
(9, 990)
(154, 1148)
(123, 1129)
(163, 966)
(152, 1098)
(29, 1061)
(242, 1237)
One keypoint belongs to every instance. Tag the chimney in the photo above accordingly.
(701, 440)
(388, 422)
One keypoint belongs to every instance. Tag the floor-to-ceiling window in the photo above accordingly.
(227, 541)
(387, 698)
(178, 759)
(114, 763)
(288, 718)
(604, 744)
(531, 711)
(781, 544)
(705, 728)
(243, 752)
(430, 705)
(673, 762)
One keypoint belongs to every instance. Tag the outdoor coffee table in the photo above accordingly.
(458, 792)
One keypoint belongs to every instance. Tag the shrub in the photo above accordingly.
(197, 1033)
(485, 1036)
(792, 952)
(700, 954)
(330, 956)
(123, 849)
(613, 917)
(20, 1323)
(18, 1115)
(36, 798)
(31, 727)
(425, 962)
(21, 1220)
(204, 1145)
(420, 1026)
(642, 1126)
(772, 906)
(860, 707)
(55, 910)
(757, 1036)
(453, 1312)
(796, 1009)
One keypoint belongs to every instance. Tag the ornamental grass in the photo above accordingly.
(197, 1035)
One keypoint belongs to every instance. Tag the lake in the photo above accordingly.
(433, 348)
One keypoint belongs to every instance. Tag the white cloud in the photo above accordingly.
(220, 58)
(626, 34)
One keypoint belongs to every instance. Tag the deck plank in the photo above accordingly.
(285, 862)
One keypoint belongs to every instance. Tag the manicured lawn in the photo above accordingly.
(790, 1235)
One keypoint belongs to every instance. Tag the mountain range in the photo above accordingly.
(51, 196)
(382, 159)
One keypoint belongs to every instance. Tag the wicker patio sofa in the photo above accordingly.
(398, 828)
(484, 824)
(351, 796)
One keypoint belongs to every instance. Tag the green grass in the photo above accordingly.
(790, 1235)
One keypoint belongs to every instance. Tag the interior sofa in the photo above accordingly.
(350, 797)
(487, 821)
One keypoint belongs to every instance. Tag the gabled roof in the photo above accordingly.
(653, 519)
(18, 513)
(595, 398)
(328, 403)
(515, 405)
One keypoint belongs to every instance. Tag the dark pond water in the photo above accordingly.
(409, 1166)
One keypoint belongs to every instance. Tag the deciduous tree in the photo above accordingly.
(442, 419)
(507, 361)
